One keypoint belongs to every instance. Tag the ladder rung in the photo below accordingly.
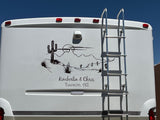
(112, 54)
(112, 73)
(115, 71)
(114, 93)
(105, 73)
(115, 36)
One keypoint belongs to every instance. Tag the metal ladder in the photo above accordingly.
(120, 73)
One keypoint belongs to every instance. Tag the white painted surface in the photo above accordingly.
(23, 49)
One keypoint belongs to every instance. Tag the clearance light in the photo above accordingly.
(151, 114)
(77, 20)
(1, 113)
(58, 19)
(145, 25)
(95, 20)
(7, 23)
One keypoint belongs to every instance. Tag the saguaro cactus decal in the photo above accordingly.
(51, 50)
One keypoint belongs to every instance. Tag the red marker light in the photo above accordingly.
(145, 25)
(95, 20)
(77, 20)
(1, 113)
(7, 23)
(58, 19)
(151, 115)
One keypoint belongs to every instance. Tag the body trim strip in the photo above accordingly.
(67, 112)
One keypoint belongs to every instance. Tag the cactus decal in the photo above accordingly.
(76, 52)
(52, 50)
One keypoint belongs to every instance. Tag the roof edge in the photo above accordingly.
(70, 20)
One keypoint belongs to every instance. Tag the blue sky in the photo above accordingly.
(138, 10)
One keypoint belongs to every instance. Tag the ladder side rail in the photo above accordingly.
(119, 50)
(119, 33)
(106, 27)
(102, 49)
(107, 59)
(119, 60)
(124, 52)
(102, 41)
(125, 68)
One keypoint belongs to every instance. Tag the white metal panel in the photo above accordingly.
(24, 49)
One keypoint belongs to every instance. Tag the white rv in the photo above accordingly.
(52, 68)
